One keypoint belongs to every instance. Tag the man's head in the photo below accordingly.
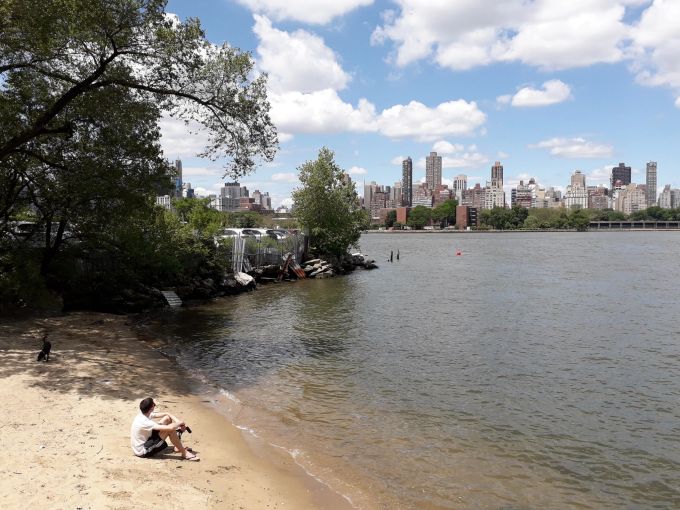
(146, 405)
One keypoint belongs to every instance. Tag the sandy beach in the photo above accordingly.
(65, 428)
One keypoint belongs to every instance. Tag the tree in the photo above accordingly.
(391, 219)
(579, 220)
(445, 213)
(419, 216)
(328, 207)
(58, 56)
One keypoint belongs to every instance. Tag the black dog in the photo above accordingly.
(44, 354)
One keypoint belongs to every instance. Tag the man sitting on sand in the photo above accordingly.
(149, 431)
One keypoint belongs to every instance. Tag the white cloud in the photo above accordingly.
(601, 175)
(357, 170)
(325, 112)
(444, 147)
(288, 202)
(297, 61)
(397, 160)
(458, 156)
(465, 160)
(307, 11)
(547, 34)
(656, 46)
(417, 121)
(553, 92)
(285, 177)
(550, 34)
(504, 99)
(179, 140)
(320, 112)
(201, 171)
(574, 148)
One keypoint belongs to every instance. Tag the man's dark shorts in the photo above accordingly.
(154, 444)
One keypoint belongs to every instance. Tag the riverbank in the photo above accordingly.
(66, 428)
(519, 231)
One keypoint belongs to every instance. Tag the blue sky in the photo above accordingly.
(545, 86)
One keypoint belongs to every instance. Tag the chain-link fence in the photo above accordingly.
(243, 253)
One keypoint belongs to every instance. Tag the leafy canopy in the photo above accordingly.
(53, 52)
(327, 205)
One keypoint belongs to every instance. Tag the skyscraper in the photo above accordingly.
(177, 179)
(578, 180)
(495, 196)
(433, 170)
(620, 173)
(651, 183)
(407, 182)
(497, 175)
(459, 186)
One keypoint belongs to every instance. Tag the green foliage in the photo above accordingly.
(419, 216)
(656, 213)
(579, 220)
(57, 53)
(82, 87)
(204, 220)
(327, 205)
(445, 213)
(390, 219)
(500, 218)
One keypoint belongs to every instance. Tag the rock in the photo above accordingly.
(244, 279)
(312, 262)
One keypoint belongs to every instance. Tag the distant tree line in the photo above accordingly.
(520, 218)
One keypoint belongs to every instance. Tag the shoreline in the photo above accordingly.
(67, 428)
(521, 231)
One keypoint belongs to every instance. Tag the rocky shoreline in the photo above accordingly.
(143, 298)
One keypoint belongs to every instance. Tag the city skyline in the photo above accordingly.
(474, 83)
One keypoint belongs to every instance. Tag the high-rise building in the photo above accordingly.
(176, 179)
(651, 183)
(396, 194)
(620, 173)
(230, 196)
(422, 195)
(433, 170)
(497, 175)
(187, 190)
(578, 180)
(495, 196)
(522, 195)
(369, 190)
(459, 186)
(407, 182)
(630, 198)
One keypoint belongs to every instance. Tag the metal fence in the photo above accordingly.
(243, 253)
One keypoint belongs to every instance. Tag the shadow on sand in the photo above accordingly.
(92, 354)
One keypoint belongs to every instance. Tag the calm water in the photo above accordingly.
(534, 371)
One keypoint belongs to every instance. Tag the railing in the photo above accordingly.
(635, 225)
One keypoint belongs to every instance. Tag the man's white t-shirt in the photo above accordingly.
(141, 429)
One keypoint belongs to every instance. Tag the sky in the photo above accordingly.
(546, 87)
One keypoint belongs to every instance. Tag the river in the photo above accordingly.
(532, 371)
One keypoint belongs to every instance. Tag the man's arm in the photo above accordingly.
(169, 428)
(164, 417)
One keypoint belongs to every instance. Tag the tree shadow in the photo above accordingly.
(92, 355)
